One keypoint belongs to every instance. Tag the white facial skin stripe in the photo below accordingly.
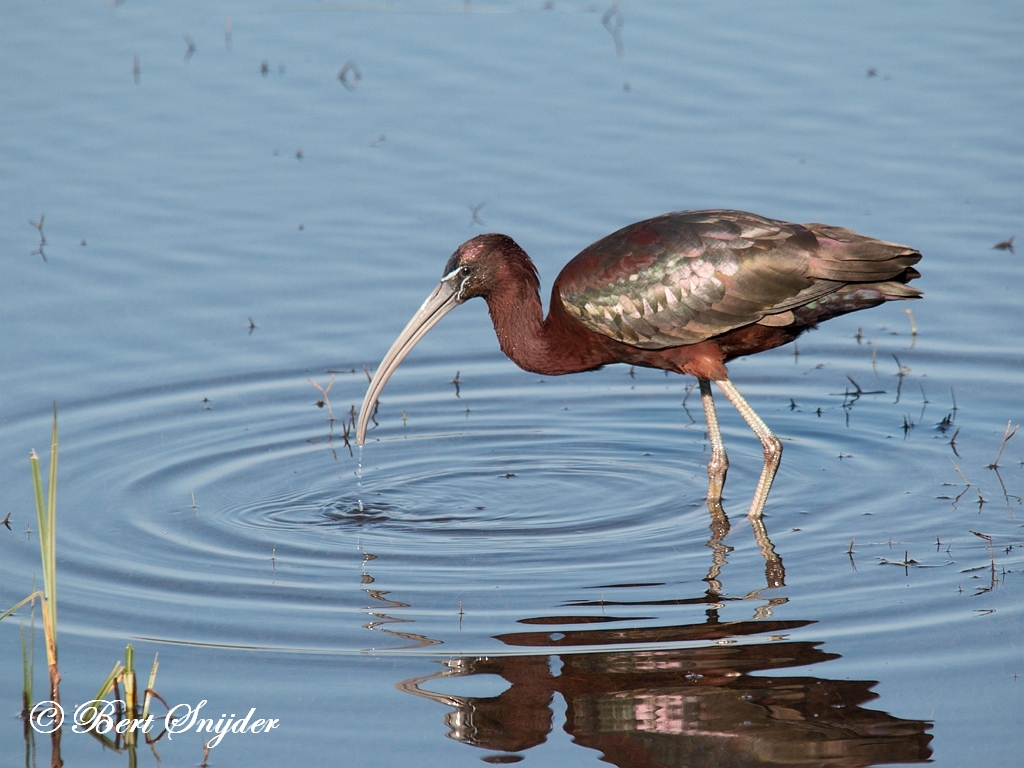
(453, 274)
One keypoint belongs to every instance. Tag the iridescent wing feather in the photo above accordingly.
(686, 277)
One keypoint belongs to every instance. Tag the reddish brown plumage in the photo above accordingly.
(773, 281)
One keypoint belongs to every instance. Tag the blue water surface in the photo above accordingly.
(209, 209)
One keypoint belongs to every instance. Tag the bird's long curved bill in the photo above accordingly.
(439, 303)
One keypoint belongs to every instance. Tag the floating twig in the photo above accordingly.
(1006, 438)
(346, 431)
(959, 472)
(981, 497)
(913, 325)
(952, 443)
(849, 398)
(860, 391)
(1006, 494)
(991, 560)
(905, 563)
(1005, 245)
(901, 371)
(326, 401)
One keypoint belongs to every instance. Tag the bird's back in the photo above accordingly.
(690, 276)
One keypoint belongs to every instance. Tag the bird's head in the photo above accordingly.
(475, 269)
(480, 264)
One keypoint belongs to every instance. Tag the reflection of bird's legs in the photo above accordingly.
(719, 530)
(774, 571)
(771, 444)
(719, 463)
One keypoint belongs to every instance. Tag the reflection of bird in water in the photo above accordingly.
(685, 706)
(685, 292)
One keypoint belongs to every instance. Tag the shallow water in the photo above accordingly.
(525, 567)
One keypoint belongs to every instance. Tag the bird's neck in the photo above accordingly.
(545, 346)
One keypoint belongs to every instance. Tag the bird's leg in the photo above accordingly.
(771, 444)
(719, 463)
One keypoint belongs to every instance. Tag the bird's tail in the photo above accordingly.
(856, 296)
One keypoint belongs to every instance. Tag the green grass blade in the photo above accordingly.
(37, 481)
(9, 611)
(130, 695)
(149, 688)
(105, 688)
(50, 564)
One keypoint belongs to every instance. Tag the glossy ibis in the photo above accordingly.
(686, 292)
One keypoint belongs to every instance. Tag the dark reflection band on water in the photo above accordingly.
(703, 706)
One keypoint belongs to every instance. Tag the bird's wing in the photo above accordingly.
(685, 277)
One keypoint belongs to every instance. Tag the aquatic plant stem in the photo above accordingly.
(46, 516)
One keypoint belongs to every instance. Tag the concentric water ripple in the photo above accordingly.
(243, 517)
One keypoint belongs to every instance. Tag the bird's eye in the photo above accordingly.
(465, 271)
